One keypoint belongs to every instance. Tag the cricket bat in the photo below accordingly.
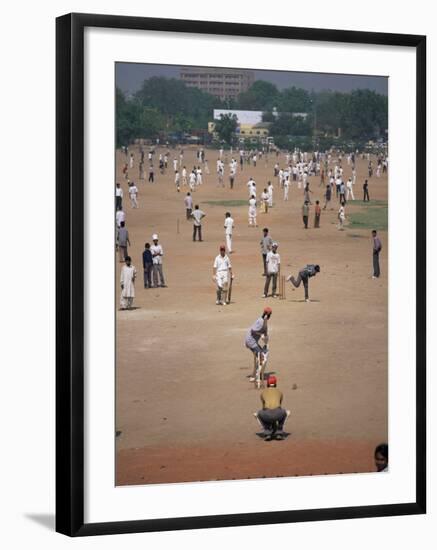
(228, 298)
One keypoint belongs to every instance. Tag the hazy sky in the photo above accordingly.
(130, 76)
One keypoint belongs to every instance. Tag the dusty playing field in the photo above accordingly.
(184, 402)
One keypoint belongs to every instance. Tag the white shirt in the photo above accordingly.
(222, 263)
(229, 224)
(157, 249)
(133, 190)
(120, 216)
(119, 192)
(252, 204)
(264, 196)
(273, 262)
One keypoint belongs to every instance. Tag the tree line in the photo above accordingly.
(168, 106)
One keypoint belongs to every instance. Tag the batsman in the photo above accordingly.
(222, 276)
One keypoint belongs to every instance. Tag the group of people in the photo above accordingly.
(272, 416)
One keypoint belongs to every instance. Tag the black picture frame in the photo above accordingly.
(70, 273)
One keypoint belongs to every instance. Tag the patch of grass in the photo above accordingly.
(227, 203)
(355, 236)
(374, 215)
(367, 203)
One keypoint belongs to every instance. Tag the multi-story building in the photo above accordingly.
(223, 83)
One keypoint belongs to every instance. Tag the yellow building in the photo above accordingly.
(254, 130)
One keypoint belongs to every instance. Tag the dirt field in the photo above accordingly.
(184, 402)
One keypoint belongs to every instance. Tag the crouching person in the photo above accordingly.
(272, 416)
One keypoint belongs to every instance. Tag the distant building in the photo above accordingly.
(244, 117)
(223, 83)
(249, 123)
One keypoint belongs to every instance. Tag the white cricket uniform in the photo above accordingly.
(349, 190)
(286, 187)
(133, 192)
(192, 180)
(270, 193)
(222, 265)
(252, 212)
(229, 226)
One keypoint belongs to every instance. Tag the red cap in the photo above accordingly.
(267, 309)
(271, 380)
(222, 247)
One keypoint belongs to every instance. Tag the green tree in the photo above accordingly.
(294, 100)
(183, 107)
(135, 121)
(261, 96)
(288, 125)
(225, 127)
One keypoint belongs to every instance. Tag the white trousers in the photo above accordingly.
(229, 243)
(222, 279)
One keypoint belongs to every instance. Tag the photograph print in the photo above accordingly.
(250, 256)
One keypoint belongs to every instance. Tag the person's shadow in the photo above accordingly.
(46, 520)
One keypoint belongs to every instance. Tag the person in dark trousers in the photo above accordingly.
(197, 216)
(317, 214)
(118, 197)
(377, 246)
(328, 193)
(272, 416)
(151, 174)
(266, 245)
(305, 214)
(366, 191)
(308, 271)
(147, 266)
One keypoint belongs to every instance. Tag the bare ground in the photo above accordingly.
(184, 404)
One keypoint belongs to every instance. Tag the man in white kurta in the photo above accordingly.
(222, 270)
(127, 283)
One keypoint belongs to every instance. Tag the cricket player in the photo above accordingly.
(118, 197)
(273, 262)
(253, 335)
(349, 190)
(310, 270)
(286, 185)
(188, 201)
(133, 193)
(272, 416)
(252, 212)
(265, 201)
(222, 272)
(270, 193)
(229, 226)
(341, 217)
(127, 283)
(266, 245)
(157, 254)
(377, 247)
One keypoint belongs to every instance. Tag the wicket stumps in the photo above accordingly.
(282, 287)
